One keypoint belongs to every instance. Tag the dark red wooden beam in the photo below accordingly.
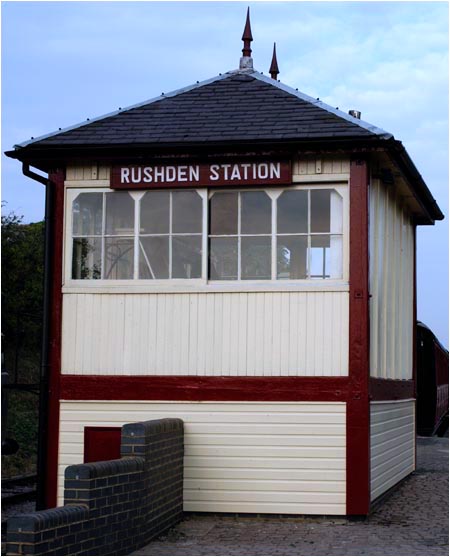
(192, 388)
(57, 177)
(358, 426)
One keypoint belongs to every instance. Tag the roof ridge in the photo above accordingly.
(287, 89)
(251, 72)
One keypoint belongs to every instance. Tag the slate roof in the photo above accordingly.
(237, 106)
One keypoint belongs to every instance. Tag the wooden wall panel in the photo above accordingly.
(239, 457)
(391, 285)
(392, 444)
(87, 172)
(240, 334)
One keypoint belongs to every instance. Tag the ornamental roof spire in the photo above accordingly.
(274, 71)
(246, 61)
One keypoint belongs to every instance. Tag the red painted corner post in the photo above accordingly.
(51, 480)
(358, 416)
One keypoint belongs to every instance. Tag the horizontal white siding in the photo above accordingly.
(392, 444)
(391, 285)
(239, 457)
(245, 334)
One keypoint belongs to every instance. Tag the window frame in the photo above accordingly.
(204, 284)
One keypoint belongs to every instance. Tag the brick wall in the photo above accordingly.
(112, 507)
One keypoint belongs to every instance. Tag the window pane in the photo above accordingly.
(155, 212)
(119, 214)
(186, 257)
(119, 258)
(87, 258)
(335, 212)
(320, 211)
(292, 257)
(223, 258)
(223, 214)
(187, 212)
(326, 257)
(256, 213)
(87, 214)
(256, 258)
(292, 212)
(154, 257)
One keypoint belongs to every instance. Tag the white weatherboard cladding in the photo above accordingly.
(239, 457)
(391, 255)
(230, 333)
(392, 444)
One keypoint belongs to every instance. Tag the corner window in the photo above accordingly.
(255, 235)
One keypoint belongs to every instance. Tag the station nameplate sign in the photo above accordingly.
(198, 175)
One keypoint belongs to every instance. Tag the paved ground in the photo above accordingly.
(412, 521)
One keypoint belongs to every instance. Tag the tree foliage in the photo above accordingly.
(22, 282)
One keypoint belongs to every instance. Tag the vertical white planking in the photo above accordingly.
(226, 332)
(318, 335)
(235, 331)
(302, 334)
(193, 333)
(276, 333)
(258, 357)
(310, 334)
(293, 368)
(328, 364)
(242, 338)
(268, 335)
(217, 332)
(202, 335)
(160, 301)
(284, 316)
(251, 335)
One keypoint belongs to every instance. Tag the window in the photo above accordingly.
(151, 235)
(240, 236)
(255, 235)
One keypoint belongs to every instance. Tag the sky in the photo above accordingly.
(63, 62)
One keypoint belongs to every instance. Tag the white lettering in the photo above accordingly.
(158, 174)
(245, 167)
(225, 170)
(214, 174)
(136, 175)
(235, 174)
(148, 174)
(263, 175)
(170, 174)
(275, 170)
(182, 174)
(194, 173)
(125, 175)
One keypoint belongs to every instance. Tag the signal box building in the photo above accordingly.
(241, 256)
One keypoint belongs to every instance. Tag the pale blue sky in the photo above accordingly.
(63, 62)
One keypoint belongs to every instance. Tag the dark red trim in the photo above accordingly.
(391, 389)
(358, 430)
(414, 337)
(189, 388)
(57, 177)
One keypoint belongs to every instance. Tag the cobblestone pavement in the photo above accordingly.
(411, 521)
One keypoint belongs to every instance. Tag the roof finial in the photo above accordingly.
(274, 71)
(246, 61)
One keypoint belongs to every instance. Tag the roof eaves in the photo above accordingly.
(116, 112)
(361, 123)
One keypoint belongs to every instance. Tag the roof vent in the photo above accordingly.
(246, 61)
(355, 114)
